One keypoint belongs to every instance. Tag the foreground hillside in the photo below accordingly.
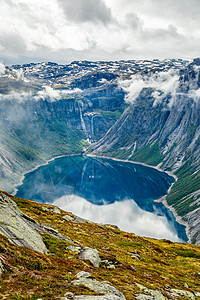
(125, 266)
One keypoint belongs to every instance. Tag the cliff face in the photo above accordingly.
(37, 126)
(164, 129)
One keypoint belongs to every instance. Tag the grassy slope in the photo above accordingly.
(31, 275)
(47, 141)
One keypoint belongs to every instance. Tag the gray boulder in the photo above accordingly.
(108, 291)
(91, 255)
(19, 228)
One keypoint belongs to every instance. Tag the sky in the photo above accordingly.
(66, 30)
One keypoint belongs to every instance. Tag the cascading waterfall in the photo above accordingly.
(92, 125)
(83, 123)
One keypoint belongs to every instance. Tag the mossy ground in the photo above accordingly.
(32, 275)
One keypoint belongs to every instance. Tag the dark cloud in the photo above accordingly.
(86, 11)
(12, 43)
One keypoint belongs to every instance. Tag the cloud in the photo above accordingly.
(125, 214)
(2, 69)
(65, 30)
(47, 94)
(163, 83)
(86, 11)
(51, 95)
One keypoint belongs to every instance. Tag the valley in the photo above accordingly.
(145, 111)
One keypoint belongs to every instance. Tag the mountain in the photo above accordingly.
(161, 127)
(146, 111)
(47, 253)
(48, 109)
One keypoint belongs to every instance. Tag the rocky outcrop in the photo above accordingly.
(153, 294)
(91, 255)
(22, 230)
(108, 291)
(19, 228)
(87, 253)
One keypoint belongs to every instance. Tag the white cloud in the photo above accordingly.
(46, 94)
(51, 95)
(163, 83)
(98, 30)
(2, 69)
(125, 214)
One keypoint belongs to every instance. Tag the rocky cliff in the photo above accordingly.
(162, 127)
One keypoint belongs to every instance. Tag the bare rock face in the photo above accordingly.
(19, 228)
(108, 291)
(91, 255)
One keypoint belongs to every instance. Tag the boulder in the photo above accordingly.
(108, 291)
(91, 255)
(18, 227)
(83, 274)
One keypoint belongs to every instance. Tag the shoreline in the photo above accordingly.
(162, 199)
(37, 167)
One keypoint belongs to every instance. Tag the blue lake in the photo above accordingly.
(106, 191)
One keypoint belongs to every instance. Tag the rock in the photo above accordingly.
(69, 295)
(83, 274)
(108, 264)
(99, 287)
(111, 267)
(154, 294)
(1, 266)
(105, 262)
(45, 208)
(184, 293)
(87, 297)
(135, 255)
(18, 227)
(54, 209)
(111, 226)
(75, 249)
(50, 229)
(75, 219)
(105, 297)
(68, 218)
(91, 255)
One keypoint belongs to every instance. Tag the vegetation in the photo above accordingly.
(31, 275)
(181, 195)
(149, 154)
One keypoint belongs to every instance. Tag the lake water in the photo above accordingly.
(106, 191)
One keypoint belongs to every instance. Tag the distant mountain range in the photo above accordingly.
(147, 111)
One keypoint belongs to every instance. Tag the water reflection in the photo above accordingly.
(106, 191)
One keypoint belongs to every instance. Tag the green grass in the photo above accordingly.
(150, 154)
(180, 195)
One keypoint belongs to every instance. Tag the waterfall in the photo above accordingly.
(92, 125)
(83, 123)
